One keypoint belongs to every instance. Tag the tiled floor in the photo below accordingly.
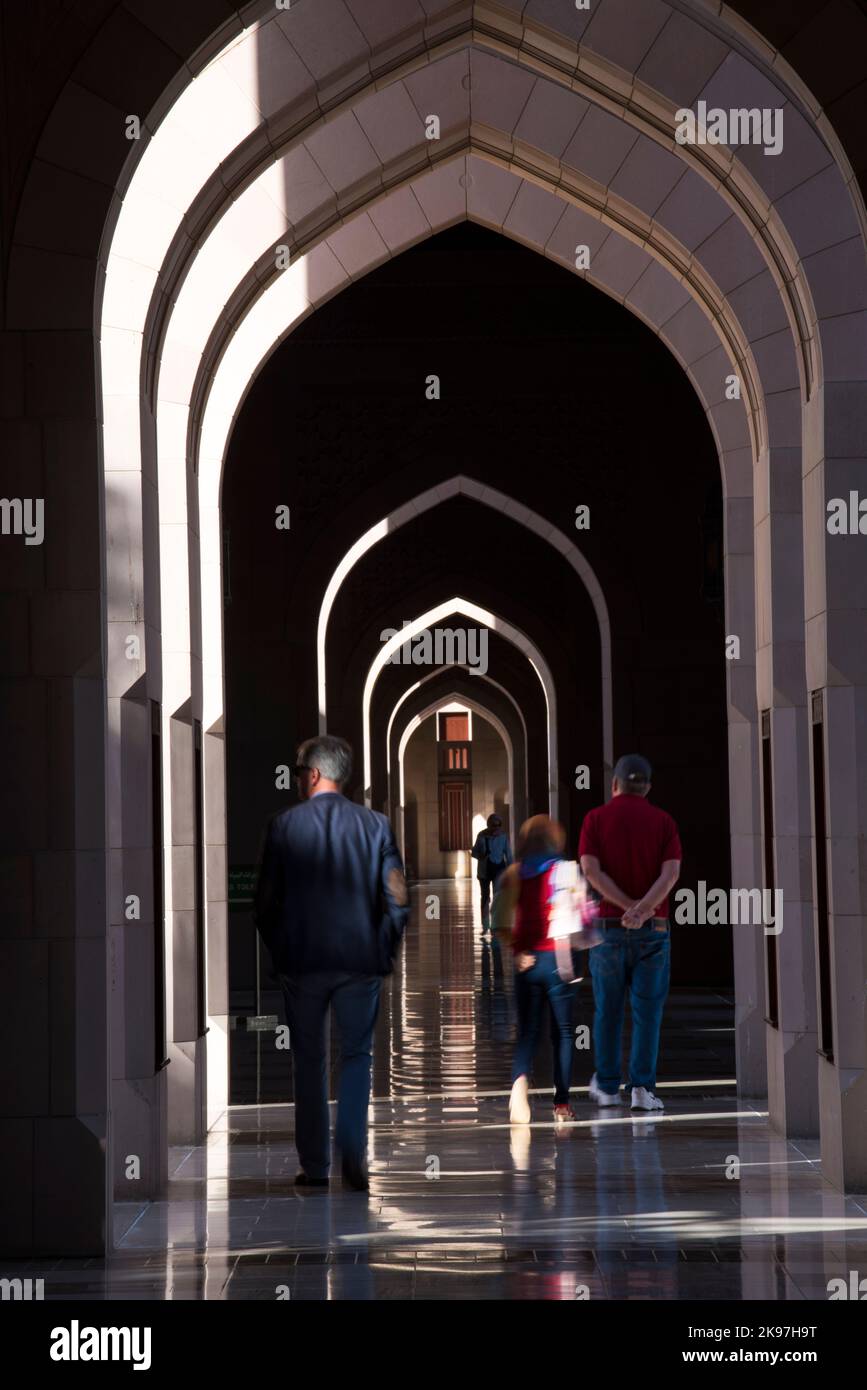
(465, 1206)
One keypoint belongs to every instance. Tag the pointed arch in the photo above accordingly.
(461, 486)
(503, 628)
(415, 722)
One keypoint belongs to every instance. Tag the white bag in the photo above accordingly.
(571, 911)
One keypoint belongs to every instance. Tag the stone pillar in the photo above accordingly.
(750, 1054)
(744, 800)
(54, 1092)
(791, 1040)
(837, 677)
(216, 928)
(137, 778)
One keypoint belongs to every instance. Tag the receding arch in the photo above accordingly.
(486, 679)
(731, 430)
(208, 404)
(462, 486)
(271, 319)
(496, 624)
(414, 723)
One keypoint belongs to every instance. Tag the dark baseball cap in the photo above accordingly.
(633, 769)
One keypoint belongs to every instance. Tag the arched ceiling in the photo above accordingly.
(709, 218)
(341, 93)
(48, 45)
(578, 106)
(625, 175)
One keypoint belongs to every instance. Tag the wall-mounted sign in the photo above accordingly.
(242, 884)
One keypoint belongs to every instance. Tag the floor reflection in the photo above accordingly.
(465, 1206)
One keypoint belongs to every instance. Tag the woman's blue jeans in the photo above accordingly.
(535, 989)
(637, 962)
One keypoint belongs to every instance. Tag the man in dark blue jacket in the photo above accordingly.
(331, 906)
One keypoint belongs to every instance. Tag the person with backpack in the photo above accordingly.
(525, 912)
(494, 855)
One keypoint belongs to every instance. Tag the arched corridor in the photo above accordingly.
(497, 534)
(376, 363)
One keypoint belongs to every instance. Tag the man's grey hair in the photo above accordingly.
(632, 788)
(332, 756)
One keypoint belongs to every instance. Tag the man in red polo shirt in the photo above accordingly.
(630, 853)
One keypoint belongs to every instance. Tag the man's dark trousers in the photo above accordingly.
(488, 885)
(355, 1001)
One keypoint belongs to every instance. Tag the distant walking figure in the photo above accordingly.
(331, 907)
(494, 854)
(630, 853)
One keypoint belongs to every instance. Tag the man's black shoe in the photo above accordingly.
(302, 1180)
(355, 1176)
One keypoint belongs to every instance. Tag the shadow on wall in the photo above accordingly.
(504, 811)
(410, 820)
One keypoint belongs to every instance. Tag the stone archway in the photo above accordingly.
(813, 382)
(766, 386)
(415, 721)
(488, 620)
(493, 691)
(499, 502)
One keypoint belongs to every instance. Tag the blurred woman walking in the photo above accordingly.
(523, 916)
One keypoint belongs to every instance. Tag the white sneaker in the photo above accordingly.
(601, 1097)
(642, 1099)
(519, 1102)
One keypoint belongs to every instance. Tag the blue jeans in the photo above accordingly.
(355, 1000)
(535, 989)
(640, 962)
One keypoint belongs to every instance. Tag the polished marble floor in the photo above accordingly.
(701, 1202)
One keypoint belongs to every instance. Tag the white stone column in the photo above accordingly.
(744, 804)
(781, 691)
(837, 671)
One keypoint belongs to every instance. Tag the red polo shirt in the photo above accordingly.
(631, 839)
